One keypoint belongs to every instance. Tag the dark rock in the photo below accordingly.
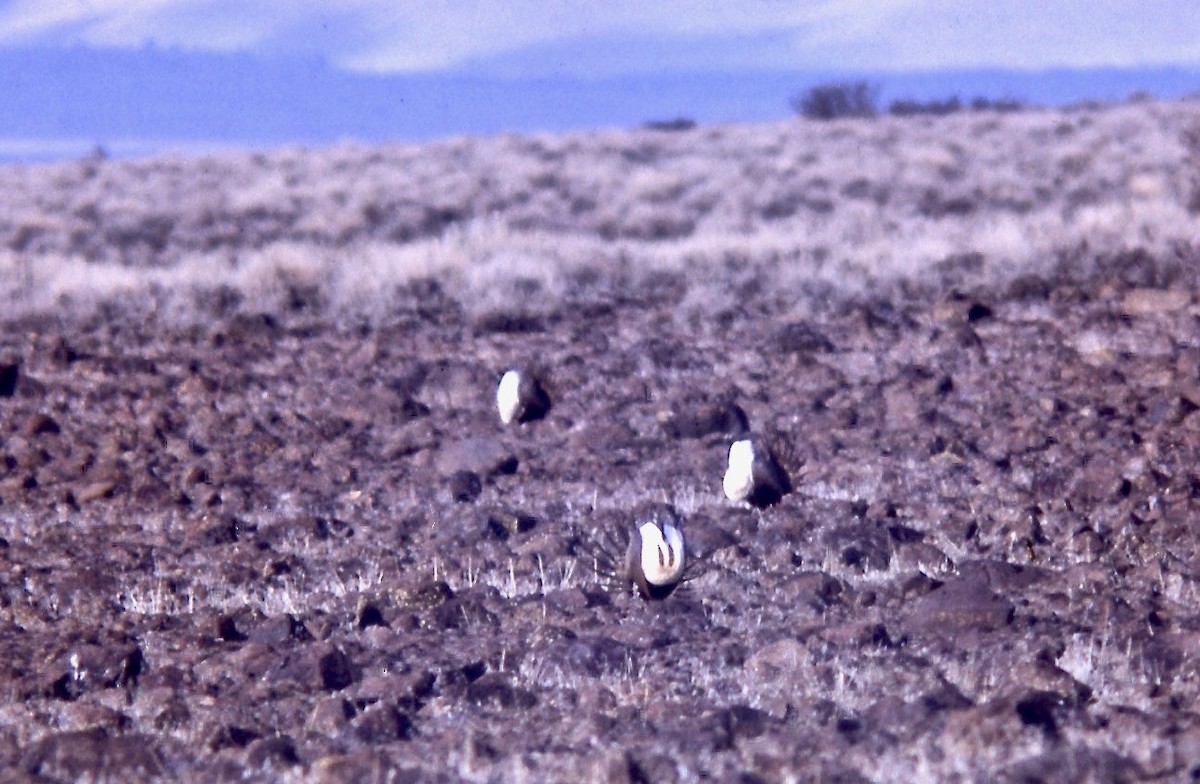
(800, 337)
(231, 736)
(277, 752)
(902, 534)
(331, 528)
(482, 456)
(725, 418)
(278, 630)
(851, 728)
(697, 734)
(331, 715)
(465, 486)
(961, 605)
(919, 584)
(335, 670)
(592, 657)
(426, 596)
(1073, 765)
(369, 615)
(94, 755)
(1039, 709)
(94, 491)
(463, 673)
(215, 531)
(462, 611)
(945, 698)
(705, 536)
(382, 723)
(745, 722)
(511, 322)
(172, 714)
(86, 668)
(979, 312)
(818, 589)
(649, 767)
(8, 378)
(504, 523)
(411, 408)
(493, 691)
(62, 353)
(368, 766)
(40, 425)
(862, 546)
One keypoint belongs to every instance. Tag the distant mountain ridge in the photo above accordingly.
(57, 99)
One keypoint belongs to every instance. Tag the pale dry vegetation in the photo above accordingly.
(852, 205)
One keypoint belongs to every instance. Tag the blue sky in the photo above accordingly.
(558, 37)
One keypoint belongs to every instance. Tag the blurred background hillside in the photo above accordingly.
(135, 78)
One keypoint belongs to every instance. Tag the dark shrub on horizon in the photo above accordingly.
(908, 107)
(981, 104)
(676, 124)
(833, 100)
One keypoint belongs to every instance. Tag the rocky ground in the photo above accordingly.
(286, 543)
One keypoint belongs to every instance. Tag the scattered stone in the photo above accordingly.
(1073, 763)
(862, 546)
(725, 418)
(279, 629)
(382, 723)
(8, 378)
(62, 353)
(426, 596)
(95, 491)
(504, 523)
(979, 312)
(801, 337)
(1144, 302)
(227, 629)
(588, 656)
(961, 605)
(485, 457)
(215, 530)
(40, 425)
(1040, 709)
(363, 765)
(465, 486)
(493, 691)
(231, 736)
(336, 670)
(331, 715)
(93, 755)
(277, 753)
(817, 589)
(369, 615)
(745, 722)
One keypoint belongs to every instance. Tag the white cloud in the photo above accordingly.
(1020, 33)
(430, 34)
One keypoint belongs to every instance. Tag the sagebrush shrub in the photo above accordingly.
(834, 100)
